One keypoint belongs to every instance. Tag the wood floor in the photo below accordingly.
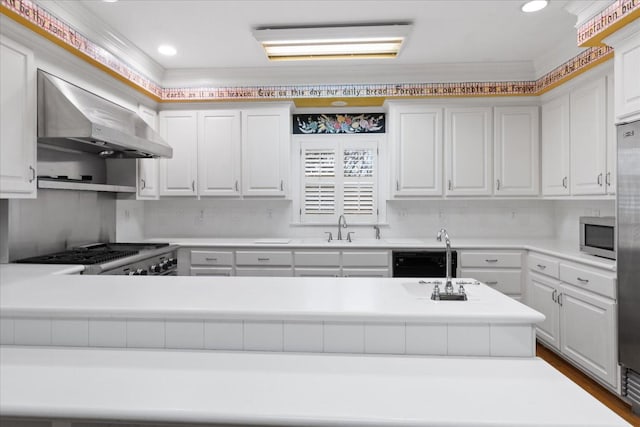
(592, 387)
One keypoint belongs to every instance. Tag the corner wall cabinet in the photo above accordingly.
(580, 308)
(147, 182)
(228, 153)
(18, 176)
(626, 48)
(579, 141)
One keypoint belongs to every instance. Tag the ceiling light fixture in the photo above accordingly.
(534, 5)
(311, 43)
(109, 1)
(167, 50)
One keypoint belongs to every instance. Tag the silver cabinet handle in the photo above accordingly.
(450, 187)
(581, 280)
(263, 259)
(491, 260)
(281, 185)
(600, 180)
(564, 182)
(560, 299)
(494, 282)
(397, 185)
(553, 295)
(193, 185)
(608, 179)
(144, 184)
(236, 185)
(211, 259)
(498, 184)
(33, 173)
(541, 267)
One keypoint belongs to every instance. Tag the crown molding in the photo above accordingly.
(584, 10)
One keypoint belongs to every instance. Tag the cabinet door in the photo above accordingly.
(366, 272)
(627, 69)
(468, 151)
(148, 168)
(17, 121)
(178, 174)
(588, 329)
(541, 295)
(516, 151)
(417, 138)
(556, 147)
(211, 271)
(588, 138)
(219, 153)
(265, 151)
(317, 272)
(612, 139)
(264, 272)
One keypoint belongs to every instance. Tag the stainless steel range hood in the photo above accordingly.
(71, 117)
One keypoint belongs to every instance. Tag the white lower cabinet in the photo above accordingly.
(366, 263)
(211, 271)
(580, 309)
(501, 270)
(587, 328)
(317, 272)
(264, 272)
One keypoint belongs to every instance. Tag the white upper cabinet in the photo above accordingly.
(417, 146)
(612, 138)
(219, 153)
(17, 121)
(516, 151)
(588, 138)
(265, 151)
(626, 47)
(148, 180)
(556, 147)
(468, 151)
(178, 174)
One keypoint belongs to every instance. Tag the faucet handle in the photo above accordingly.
(330, 238)
(349, 233)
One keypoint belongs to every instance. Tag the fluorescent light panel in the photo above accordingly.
(383, 41)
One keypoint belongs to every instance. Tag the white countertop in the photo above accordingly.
(12, 273)
(263, 298)
(291, 389)
(547, 246)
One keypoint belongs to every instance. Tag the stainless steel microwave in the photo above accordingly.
(598, 236)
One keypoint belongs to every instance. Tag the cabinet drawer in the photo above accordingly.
(263, 258)
(264, 272)
(544, 265)
(366, 272)
(365, 259)
(211, 271)
(589, 279)
(491, 259)
(317, 259)
(317, 272)
(199, 257)
(506, 281)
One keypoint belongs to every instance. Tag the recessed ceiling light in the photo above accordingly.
(534, 5)
(360, 42)
(167, 50)
(109, 1)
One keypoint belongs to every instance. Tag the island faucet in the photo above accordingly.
(448, 288)
(342, 223)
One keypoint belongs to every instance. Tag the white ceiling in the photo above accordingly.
(215, 35)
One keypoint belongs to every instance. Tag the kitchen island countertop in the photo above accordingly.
(291, 389)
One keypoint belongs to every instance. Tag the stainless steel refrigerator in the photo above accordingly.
(628, 257)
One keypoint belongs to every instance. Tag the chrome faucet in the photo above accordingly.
(448, 288)
(342, 223)
(377, 230)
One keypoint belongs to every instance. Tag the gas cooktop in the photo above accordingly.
(98, 253)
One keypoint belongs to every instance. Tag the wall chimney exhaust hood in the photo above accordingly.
(73, 118)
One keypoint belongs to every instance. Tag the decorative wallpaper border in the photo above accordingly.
(44, 23)
(614, 17)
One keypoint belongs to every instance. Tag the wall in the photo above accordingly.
(58, 219)
(420, 218)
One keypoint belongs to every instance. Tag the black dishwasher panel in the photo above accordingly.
(423, 263)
